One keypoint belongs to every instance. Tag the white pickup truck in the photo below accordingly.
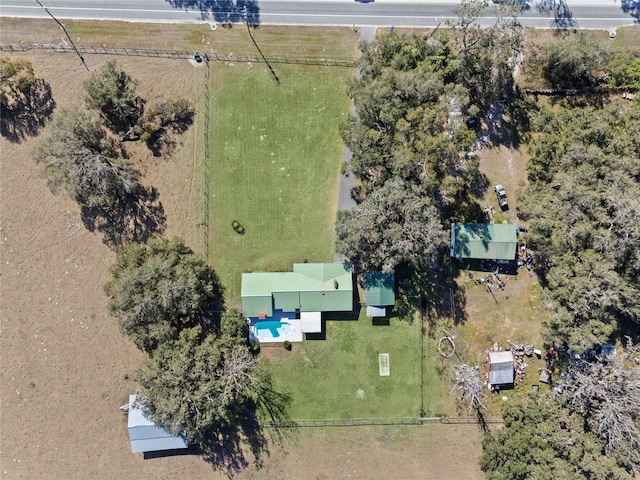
(501, 193)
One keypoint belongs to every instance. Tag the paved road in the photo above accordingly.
(381, 13)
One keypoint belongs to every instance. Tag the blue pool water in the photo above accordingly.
(271, 330)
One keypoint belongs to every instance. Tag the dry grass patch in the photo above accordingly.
(66, 368)
(331, 42)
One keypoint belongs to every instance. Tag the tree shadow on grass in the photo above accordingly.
(593, 98)
(135, 218)
(245, 442)
(226, 12)
(514, 125)
(26, 115)
(436, 293)
(509, 122)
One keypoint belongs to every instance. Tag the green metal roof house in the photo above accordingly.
(311, 287)
(484, 241)
(379, 292)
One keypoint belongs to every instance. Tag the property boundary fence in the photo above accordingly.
(358, 422)
(179, 54)
(207, 163)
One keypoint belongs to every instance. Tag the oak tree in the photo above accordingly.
(395, 225)
(160, 288)
(112, 92)
(80, 160)
(205, 388)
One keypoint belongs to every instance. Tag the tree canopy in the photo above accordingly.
(606, 393)
(396, 224)
(79, 159)
(571, 61)
(26, 102)
(582, 200)
(112, 92)
(208, 388)
(16, 81)
(542, 438)
(410, 116)
(410, 145)
(487, 56)
(160, 288)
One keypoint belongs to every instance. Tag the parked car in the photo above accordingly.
(501, 193)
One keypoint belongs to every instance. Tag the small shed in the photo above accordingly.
(379, 293)
(146, 436)
(501, 369)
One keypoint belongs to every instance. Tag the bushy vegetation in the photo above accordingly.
(201, 378)
(571, 62)
(582, 200)
(85, 155)
(411, 142)
(112, 92)
(80, 160)
(210, 388)
(26, 102)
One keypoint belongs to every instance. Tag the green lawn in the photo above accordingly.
(276, 158)
(339, 377)
(275, 164)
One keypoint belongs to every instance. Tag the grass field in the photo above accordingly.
(339, 377)
(275, 163)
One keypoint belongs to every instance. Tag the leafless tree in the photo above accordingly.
(468, 389)
(607, 393)
(238, 372)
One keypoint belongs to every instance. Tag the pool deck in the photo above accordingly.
(294, 335)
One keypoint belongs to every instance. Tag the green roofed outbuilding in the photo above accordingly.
(311, 287)
(379, 292)
(484, 241)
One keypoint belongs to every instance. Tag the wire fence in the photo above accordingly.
(207, 163)
(359, 422)
(178, 54)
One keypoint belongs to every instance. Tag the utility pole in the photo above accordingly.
(245, 14)
(65, 32)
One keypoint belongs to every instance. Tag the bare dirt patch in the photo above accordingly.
(426, 452)
(66, 368)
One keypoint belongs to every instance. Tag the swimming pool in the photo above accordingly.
(271, 330)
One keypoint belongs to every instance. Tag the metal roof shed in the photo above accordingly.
(484, 241)
(146, 436)
(501, 368)
(379, 289)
